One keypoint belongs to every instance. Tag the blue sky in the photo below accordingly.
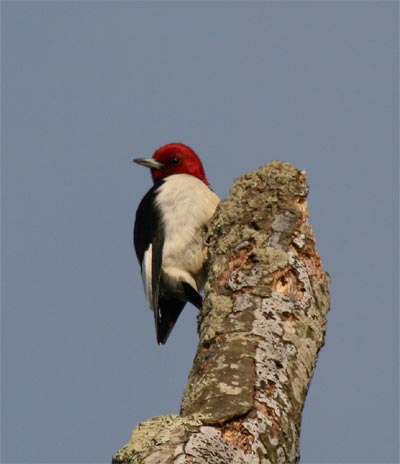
(87, 86)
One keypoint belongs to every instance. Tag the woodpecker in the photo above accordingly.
(168, 233)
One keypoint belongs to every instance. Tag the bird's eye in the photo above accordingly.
(175, 161)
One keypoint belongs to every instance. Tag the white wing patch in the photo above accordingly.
(147, 276)
(186, 204)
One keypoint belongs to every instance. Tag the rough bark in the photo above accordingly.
(262, 324)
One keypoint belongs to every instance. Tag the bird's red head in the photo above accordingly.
(174, 158)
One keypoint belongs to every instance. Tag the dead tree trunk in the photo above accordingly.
(262, 324)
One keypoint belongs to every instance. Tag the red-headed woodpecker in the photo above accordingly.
(168, 233)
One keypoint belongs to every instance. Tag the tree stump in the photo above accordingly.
(261, 327)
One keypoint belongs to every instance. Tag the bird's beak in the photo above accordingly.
(149, 163)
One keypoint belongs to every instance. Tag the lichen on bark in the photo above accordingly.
(262, 324)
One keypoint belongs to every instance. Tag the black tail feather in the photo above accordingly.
(170, 309)
(192, 295)
(166, 316)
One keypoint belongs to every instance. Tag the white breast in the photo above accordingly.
(186, 206)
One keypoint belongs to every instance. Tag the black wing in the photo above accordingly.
(148, 239)
(147, 222)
